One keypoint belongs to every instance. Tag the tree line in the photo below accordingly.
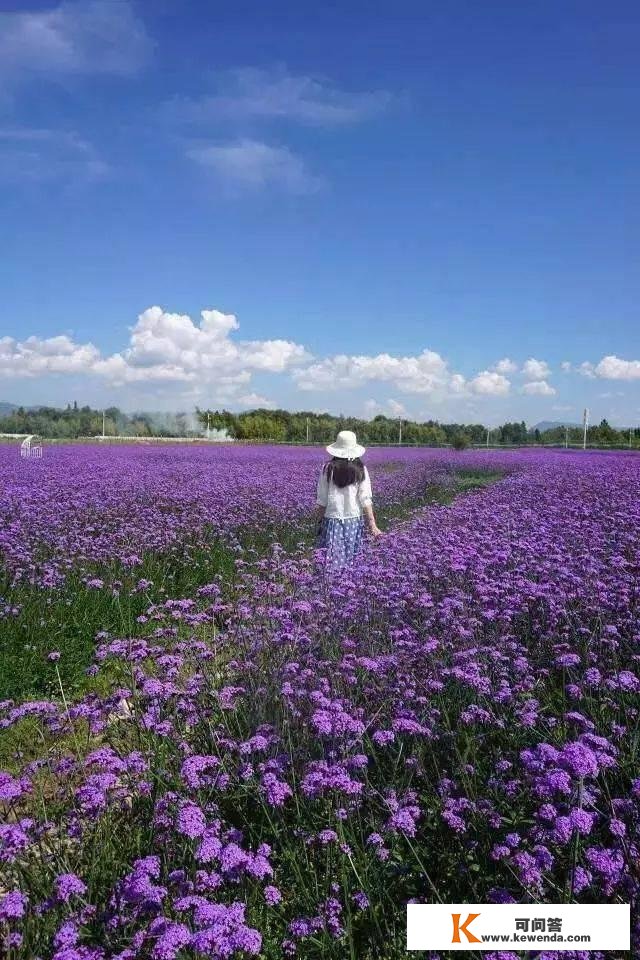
(284, 426)
(306, 426)
(74, 422)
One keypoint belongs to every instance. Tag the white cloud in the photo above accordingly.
(536, 369)
(118, 370)
(613, 368)
(428, 373)
(539, 388)
(207, 357)
(161, 338)
(490, 383)
(249, 98)
(272, 356)
(43, 156)
(391, 408)
(255, 401)
(425, 373)
(506, 366)
(397, 409)
(163, 347)
(457, 383)
(253, 94)
(566, 366)
(36, 357)
(84, 37)
(253, 165)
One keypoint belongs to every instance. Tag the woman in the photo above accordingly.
(344, 494)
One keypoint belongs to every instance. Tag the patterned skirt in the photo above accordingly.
(342, 540)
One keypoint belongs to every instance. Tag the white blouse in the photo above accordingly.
(346, 502)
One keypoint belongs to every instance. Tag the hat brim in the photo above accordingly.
(345, 453)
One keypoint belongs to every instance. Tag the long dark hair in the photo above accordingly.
(345, 472)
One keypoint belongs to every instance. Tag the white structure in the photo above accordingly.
(30, 449)
(217, 436)
(585, 425)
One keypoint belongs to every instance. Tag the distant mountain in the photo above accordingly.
(553, 424)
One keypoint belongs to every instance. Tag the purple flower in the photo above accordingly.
(567, 660)
(275, 790)
(223, 931)
(361, 900)
(327, 836)
(14, 839)
(10, 788)
(383, 737)
(608, 863)
(137, 887)
(581, 879)
(66, 935)
(210, 846)
(13, 905)
(170, 938)
(404, 820)
(322, 777)
(191, 821)
(582, 820)
(195, 771)
(500, 851)
(579, 760)
(68, 885)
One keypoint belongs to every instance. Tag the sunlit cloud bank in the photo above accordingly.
(208, 355)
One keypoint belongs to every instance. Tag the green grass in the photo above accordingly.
(441, 492)
(68, 620)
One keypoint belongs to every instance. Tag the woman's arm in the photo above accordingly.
(374, 529)
(365, 497)
(322, 492)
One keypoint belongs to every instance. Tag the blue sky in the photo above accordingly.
(429, 210)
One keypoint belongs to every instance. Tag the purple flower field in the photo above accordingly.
(273, 762)
(89, 505)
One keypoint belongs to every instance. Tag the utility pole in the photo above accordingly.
(585, 421)
(399, 432)
(488, 432)
(103, 424)
(208, 421)
(566, 437)
(630, 431)
(307, 430)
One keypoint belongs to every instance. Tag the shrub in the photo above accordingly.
(460, 441)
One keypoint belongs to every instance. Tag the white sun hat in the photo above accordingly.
(346, 446)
